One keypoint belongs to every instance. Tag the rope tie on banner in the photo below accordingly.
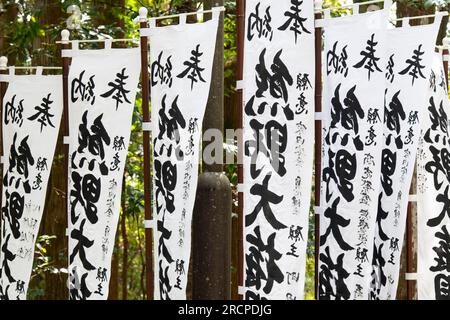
(39, 70)
(405, 22)
(445, 46)
(183, 19)
(437, 17)
(215, 11)
(75, 50)
(241, 290)
(75, 45)
(108, 44)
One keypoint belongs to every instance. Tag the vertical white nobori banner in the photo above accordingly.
(181, 60)
(433, 185)
(353, 108)
(32, 109)
(278, 121)
(102, 92)
(408, 65)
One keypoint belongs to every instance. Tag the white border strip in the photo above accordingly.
(411, 276)
(240, 85)
(317, 210)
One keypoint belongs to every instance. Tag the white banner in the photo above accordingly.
(408, 66)
(102, 91)
(32, 109)
(181, 73)
(278, 120)
(433, 185)
(353, 104)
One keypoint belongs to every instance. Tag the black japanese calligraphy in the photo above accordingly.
(43, 115)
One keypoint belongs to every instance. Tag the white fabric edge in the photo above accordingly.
(411, 276)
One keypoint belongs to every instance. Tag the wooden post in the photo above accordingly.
(317, 145)
(240, 173)
(3, 69)
(65, 34)
(445, 57)
(147, 156)
(409, 249)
